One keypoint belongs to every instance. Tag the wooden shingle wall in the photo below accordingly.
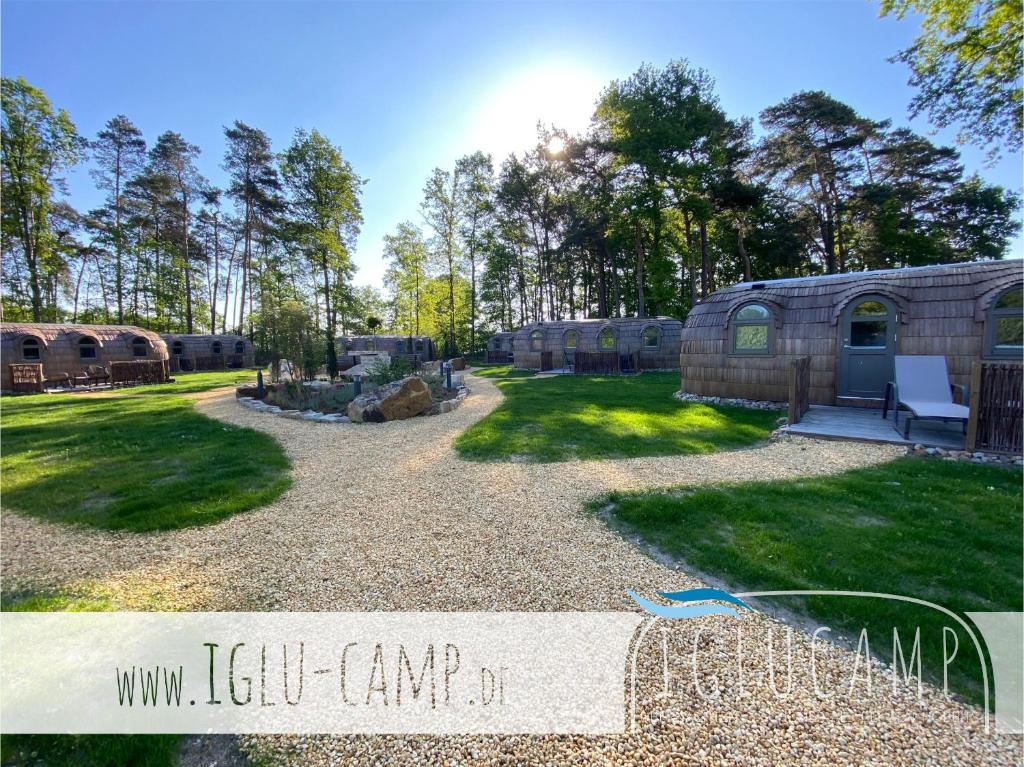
(59, 347)
(627, 334)
(394, 346)
(941, 310)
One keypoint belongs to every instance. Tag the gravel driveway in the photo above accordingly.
(387, 517)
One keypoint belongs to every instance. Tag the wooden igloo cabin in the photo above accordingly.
(189, 352)
(740, 342)
(500, 347)
(62, 353)
(616, 345)
(420, 347)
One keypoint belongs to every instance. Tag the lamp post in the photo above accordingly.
(357, 385)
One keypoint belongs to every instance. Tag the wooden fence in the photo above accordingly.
(547, 361)
(604, 363)
(799, 388)
(26, 376)
(996, 407)
(498, 356)
(138, 372)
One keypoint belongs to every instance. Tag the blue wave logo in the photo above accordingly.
(691, 610)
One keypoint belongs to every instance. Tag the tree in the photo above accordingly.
(256, 189)
(814, 149)
(36, 145)
(325, 217)
(119, 153)
(968, 64)
(174, 159)
(477, 174)
(406, 275)
(441, 207)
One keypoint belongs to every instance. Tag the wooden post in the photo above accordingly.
(794, 408)
(974, 401)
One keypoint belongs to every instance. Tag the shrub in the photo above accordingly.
(384, 371)
(296, 396)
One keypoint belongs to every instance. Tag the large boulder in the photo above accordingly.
(391, 402)
(459, 363)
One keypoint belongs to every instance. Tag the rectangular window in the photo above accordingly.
(31, 353)
(869, 334)
(751, 338)
(87, 352)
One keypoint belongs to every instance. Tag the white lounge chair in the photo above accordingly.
(922, 387)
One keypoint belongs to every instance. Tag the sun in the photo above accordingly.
(554, 94)
(556, 145)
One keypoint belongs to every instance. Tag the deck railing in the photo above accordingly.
(799, 388)
(138, 372)
(498, 356)
(996, 407)
(598, 363)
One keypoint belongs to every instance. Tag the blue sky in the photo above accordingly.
(405, 87)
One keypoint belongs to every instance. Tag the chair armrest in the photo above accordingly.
(963, 393)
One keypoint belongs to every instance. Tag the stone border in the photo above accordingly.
(259, 406)
(966, 456)
(753, 404)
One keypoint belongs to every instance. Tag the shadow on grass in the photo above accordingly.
(592, 417)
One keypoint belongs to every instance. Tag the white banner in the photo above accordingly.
(438, 673)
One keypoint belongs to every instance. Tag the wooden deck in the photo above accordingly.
(866, 425)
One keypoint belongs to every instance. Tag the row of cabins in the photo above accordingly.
(415, 348)
(60, 353)
(740, 342)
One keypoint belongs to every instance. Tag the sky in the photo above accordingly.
(406, 87)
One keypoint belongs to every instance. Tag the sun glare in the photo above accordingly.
(556, 145)
(556, 95)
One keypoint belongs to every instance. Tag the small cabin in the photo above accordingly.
(65, 352)
(419, 347)
(190, 352)
(739, 342)
(614, 345)
(500, 347)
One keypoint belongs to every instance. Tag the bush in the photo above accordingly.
(324, 399)
(436, 384)
(384, 371)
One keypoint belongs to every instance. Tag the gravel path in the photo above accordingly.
(387, 517)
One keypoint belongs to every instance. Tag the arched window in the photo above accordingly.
(496, 343)
(1006, 325)
(419, 347)
(536, 340)
(371, 345)
(571, 339)
(30, 350)
(87, 348)
(177, 348)
(752, 330)
(216, 347)
(140, 348)
(606, 339)
(650, 338)
(239, 347)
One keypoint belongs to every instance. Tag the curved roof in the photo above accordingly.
(48, 332)
(821, 298)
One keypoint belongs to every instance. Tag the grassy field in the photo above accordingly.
(136, 459)
(566, 417)
(948, 533)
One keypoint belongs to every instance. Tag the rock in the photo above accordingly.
(246, 391)
(459, 363)
(391, 402)
(312, 415)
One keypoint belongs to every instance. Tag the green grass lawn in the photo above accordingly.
(137, 459)
(587, 417)
(948, 533)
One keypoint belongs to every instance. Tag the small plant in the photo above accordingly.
(435, 382)
(385, 371)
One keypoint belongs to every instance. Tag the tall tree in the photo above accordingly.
(406, 276)
(174, 158)
(255, 187)
(37, 144)
(442, 206)
(325, 217)
(119, 154)
(968, 65)
(477, 174)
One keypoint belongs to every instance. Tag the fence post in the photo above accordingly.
(974, 401)
(794, 408)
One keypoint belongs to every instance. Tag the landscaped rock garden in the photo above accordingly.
(325, 402)
(968, 456)
(754, 404)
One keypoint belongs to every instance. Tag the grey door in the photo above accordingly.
(867, 344)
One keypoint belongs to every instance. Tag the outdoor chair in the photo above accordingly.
(922, 387)
(58, 379)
